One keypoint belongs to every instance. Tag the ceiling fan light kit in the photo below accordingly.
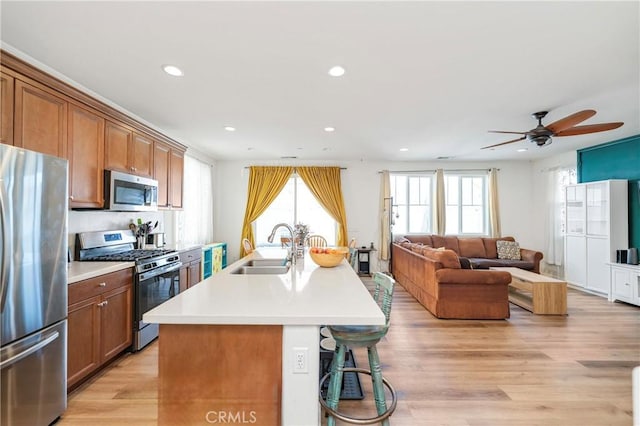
(542, 135)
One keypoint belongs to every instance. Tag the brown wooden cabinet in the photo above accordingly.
(191, 272)
(176, 177)
(168, 164)
(161, 159)
(6, 108)
(40, 120)
(99, 323)
(127, 151)
(142, 155)
(85, 152)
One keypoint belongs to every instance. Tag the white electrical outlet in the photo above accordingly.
(300, 356)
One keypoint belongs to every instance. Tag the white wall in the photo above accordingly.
(361, 186)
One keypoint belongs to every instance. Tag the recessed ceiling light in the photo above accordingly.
(230, 129)
(336, 71)
(329, 129)
(404, 149)
(522, 150)
(173, 70)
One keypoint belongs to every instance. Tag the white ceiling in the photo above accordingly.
(432, 77)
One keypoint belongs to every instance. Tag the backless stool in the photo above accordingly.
(357, 336)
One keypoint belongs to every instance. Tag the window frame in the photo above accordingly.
(397, 207)
(485, 201)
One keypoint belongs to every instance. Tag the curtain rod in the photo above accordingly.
(433, 171)
(341, 168)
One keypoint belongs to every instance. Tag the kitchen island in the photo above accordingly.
(244, 348)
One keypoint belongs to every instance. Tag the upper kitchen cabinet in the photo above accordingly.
(40, 120)
(168, 164)
(6, 108)
(85, 151)
(127, 151)
(176, 177)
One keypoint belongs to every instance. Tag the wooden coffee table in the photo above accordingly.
(536, 293)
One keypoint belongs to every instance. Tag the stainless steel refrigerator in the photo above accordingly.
(33, 287)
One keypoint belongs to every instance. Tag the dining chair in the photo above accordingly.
(316, 241)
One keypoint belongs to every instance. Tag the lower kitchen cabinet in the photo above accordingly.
(190, 272)
(99, 323)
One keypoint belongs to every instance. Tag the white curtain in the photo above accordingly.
(195, 221)
(439, 203)
(494, 205)
(385, 215)
(553, 224)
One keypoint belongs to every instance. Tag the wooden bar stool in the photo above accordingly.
(357, 336)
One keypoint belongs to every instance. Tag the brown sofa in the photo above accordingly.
(481, 252)
(435, 278)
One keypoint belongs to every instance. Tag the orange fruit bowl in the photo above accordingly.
(328, 257)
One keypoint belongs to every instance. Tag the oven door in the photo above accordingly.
(154, 288)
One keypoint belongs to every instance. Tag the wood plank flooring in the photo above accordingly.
(525, 371)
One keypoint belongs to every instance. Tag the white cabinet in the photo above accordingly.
(625, 283)
(596, 226)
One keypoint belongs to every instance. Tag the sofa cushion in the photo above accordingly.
(471, 247)
(482, 263)
(490, 248)
(509, 250)
(424, 239)
(450, 243)
(447, 258)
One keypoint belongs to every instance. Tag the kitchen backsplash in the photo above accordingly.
(87, 221)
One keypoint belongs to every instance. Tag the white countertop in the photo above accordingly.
(306, 295)
(78, 271)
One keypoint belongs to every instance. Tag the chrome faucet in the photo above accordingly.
(290, 255)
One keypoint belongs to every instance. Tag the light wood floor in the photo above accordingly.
(528, 370)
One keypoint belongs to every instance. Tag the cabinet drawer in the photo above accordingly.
(96, 286)
(190, 256)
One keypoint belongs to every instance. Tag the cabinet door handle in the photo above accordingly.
(71, 197)
(102, 284)
(100, 305)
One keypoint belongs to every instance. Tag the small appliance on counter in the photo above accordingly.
(155, 240)
(632, 256)
(621, 256)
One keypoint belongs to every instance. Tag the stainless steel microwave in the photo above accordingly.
(124, 192)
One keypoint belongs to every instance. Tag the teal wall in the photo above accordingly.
(616, 160)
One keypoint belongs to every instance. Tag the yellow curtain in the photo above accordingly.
(265, 183)
(324, 184)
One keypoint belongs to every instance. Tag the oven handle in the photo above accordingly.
(159, 271)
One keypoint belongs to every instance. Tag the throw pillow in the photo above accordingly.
(465, 263)
(508, 250)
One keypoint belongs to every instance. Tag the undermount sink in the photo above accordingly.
(266, 262)
(263, 267)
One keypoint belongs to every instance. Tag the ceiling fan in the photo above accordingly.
(541, 135)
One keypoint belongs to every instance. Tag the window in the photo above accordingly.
(412, 203)
(294, 204)
(194, 224)
(466, 204)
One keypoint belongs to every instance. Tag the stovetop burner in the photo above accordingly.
(128, 256)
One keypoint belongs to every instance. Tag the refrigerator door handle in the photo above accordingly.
(8, 362)
(6, 250)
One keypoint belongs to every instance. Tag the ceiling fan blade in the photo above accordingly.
(591, 128)
(504, 131)
(570, 121)
(504, 143)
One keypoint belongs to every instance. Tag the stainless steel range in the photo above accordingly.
(156, 278)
